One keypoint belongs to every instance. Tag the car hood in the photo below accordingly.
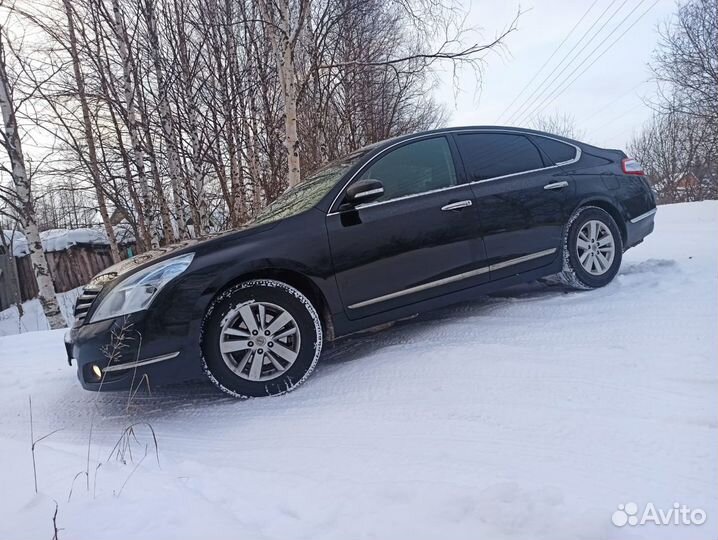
(185, 246)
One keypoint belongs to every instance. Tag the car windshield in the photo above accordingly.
(310, 191)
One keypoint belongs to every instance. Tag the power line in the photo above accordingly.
(572, 58)
(529, 102)
(557, 90)
(547, 61)
(612, 120)
(560, 90)
(615, 100)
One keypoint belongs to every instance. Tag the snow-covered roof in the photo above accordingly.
(19, 244)
(62, 239)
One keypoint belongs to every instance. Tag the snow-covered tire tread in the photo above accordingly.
(568, 275)
(291, 385)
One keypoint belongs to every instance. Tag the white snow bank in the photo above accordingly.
(33, 318)
(531, 414)
(62, 239)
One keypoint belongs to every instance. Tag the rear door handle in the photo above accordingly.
(556, 185)
(456, 205)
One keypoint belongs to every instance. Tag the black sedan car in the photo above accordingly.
(396, 228)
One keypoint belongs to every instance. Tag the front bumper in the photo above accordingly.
(130, 351)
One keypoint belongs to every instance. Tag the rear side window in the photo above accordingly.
(556, 151)
(414, 168)
(488, 155)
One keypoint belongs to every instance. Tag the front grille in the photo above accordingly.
(84, 302)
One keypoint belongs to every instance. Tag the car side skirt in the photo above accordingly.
(344, 326)
(452, 279)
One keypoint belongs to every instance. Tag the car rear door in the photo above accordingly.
(420, 240)
(523, 200)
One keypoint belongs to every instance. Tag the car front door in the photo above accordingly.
(523, 200)
(420, 239)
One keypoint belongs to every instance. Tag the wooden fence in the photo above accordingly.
(70, 268)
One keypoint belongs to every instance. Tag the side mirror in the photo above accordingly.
(364, 191)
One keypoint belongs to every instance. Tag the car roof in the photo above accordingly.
(393, 140)
(369, 151)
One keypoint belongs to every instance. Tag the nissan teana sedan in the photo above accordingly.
(399, 227)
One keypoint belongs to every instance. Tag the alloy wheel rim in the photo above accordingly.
(259, 341)
(596, 247)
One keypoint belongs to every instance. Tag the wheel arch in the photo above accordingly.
(612, 209)
(299, 281)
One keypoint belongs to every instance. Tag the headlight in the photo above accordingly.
(137, 291)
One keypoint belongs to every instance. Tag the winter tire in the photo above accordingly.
(260, 338)
(592, 249)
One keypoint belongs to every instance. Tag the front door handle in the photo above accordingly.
(556, 185)
(456, 205)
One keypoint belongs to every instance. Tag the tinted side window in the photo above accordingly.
(414, 168)
(488, 155)
(556, 151)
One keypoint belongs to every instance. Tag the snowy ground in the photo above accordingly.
(530, 414)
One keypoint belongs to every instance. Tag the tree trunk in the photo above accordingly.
(167, 228)
(202, 227)
(278, 25)
(192, 125)
(151, 236)
(141, 232)
(21, 181)
(173, 162)
(166, 216)
(89, 135)
(288, 82)
(230, 96)
(139, 225)
(255, 171)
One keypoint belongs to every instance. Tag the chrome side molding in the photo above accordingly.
(519, 260)
(418, 288)
(644, 216)
(454, 278)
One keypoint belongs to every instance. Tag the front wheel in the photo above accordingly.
(260, 338)
(592, 250)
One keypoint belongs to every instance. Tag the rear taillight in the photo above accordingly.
(631, 166)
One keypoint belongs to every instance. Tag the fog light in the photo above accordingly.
(96, 371)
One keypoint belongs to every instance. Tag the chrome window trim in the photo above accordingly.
(403, 197)
(454, 278)
(453, 131)
(644, 215)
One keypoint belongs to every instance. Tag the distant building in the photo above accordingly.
(687, 185)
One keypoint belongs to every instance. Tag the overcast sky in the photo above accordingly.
(607, 101)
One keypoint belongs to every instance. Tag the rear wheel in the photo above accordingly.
(261, 337)
(593, 249)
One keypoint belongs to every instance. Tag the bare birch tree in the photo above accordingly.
(212, 108)
(130, 95)
(167, 122)
(88, 131)
(283, 28)
(10, 140)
